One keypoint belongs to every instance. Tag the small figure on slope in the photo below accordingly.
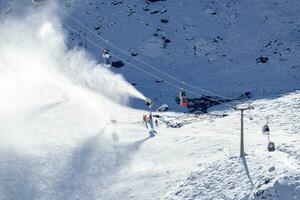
(145, 121)
(156, 122)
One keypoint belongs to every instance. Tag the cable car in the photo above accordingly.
(183, 98)
(271, 146)
(106, 56)
(266, 129)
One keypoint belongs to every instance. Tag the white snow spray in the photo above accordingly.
(43, 40)
(34, 59)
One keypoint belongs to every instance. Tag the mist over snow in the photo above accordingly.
(37, 69)
(33, 51)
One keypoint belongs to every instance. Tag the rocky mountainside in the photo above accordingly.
(229, 47)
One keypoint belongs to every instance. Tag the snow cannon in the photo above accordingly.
(148, 101)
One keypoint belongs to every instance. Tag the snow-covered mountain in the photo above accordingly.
(66, 130)
(228, 47)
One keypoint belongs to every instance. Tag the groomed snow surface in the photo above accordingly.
(66, 133)
(73, 147)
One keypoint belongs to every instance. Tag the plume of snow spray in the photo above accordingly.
(43, 41)
(33, 54)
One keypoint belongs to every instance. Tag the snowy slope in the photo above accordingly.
(262, 175)
(70, 153)
(53, 109)
(66, 133)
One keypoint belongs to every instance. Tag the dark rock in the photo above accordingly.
(134, 54)
(131, 12)
(245, 95)
(217, 39)
(201, 104)
(271, 169)
(262, 59)
(163, 11)
(164, 21)
(117, 64)
(116, 2)
(167, 41)
(267, 181)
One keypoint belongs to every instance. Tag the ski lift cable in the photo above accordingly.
(171, 77)
(143, 70)
(139, 60)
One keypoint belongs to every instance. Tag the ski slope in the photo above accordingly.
(67, 131)
(72, 149)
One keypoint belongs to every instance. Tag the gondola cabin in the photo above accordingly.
(184, 101)
(266, 129)
(271, 146)
(183, 98)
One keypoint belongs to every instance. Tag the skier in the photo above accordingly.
(106, 56)
(156, 122)
(145, 120)
(150, 120)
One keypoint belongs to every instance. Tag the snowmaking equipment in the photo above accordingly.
(148, 102)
